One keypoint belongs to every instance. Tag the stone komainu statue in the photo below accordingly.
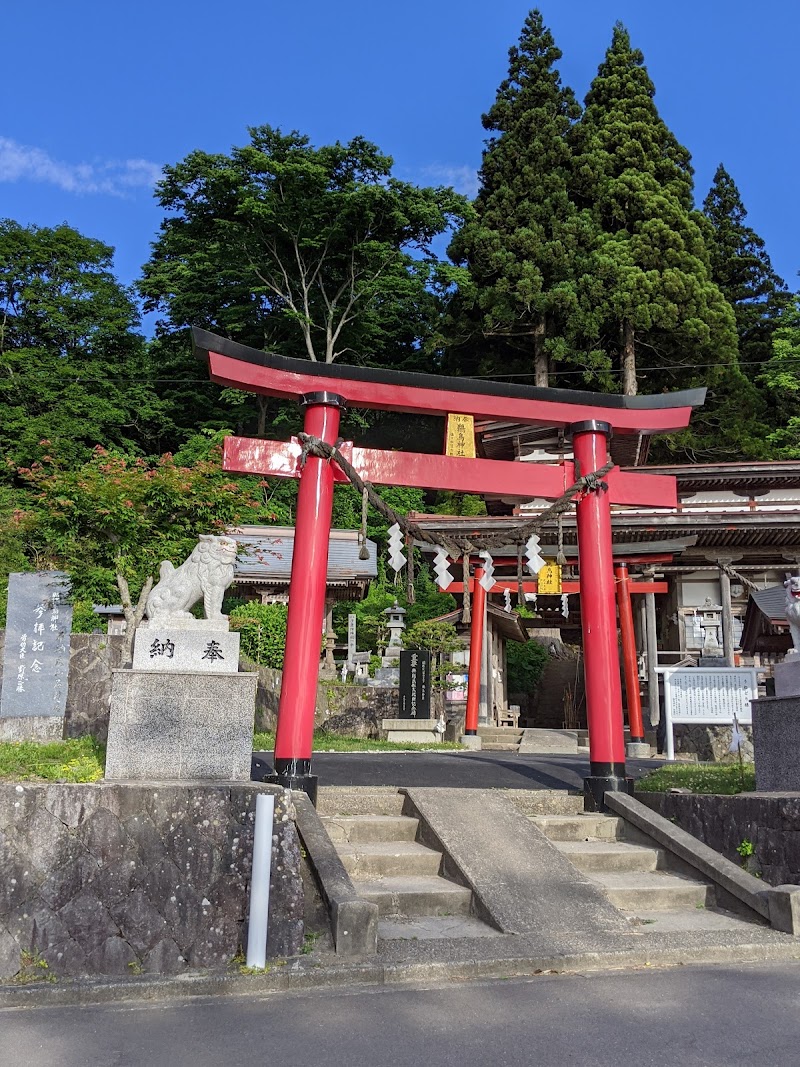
(206, 574)
(792, 608)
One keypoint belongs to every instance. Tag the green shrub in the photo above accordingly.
(525, 665)
(84, 620)
(263, 632)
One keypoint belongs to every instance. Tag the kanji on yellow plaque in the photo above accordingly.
(460, 437)
(549, 579)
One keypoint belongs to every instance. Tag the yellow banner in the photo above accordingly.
(549, 579)
(460, 439)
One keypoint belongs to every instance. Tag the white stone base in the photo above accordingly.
(411, 731)
(787, 677)
(471, 741)
(32, 728)
(185, 649)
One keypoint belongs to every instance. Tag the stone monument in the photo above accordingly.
(36, 660)
(184, 711)
(388, 674)
(776, 720)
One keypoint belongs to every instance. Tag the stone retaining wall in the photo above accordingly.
(709, 744)
(121, 879)
(770, 821)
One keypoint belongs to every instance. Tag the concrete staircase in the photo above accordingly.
(644, 882)
(500, 738)
(389, 867)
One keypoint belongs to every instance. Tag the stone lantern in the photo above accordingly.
(395, 623)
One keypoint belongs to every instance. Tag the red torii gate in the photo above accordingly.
(323, 390)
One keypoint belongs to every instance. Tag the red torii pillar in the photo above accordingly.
(325, 390)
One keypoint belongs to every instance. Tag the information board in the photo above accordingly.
(415, 684)
(36, 657)
(707, 695)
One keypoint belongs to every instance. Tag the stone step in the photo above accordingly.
(388, 858)
(498, 746)
(500, 733)
(406, 895)
(360, 828)
(354, 800)
(688, 920)
(586, 827)
(591, 856)
(545, 801)
(430, 927)
(656, 891)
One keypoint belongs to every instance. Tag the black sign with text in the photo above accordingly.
(415, 684)
(36, 660)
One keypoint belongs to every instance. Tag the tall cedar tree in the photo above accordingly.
(318, 253)
(519, 245)
(74, 371)
(742, 269)
(648, 286)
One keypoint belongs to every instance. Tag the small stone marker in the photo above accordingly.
(351, 639)
(36, 659)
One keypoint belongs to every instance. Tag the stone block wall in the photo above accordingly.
(116, 879)
(708, 743)
(770, 821)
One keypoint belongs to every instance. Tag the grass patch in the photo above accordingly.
(334, 743)
(81, 759)
(723, 778)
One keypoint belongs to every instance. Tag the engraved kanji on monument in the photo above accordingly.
(36, 657)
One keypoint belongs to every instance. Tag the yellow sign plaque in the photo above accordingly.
(549, 579)
(460, 439)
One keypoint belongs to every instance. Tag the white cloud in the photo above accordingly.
(20, 162)
(463, 179)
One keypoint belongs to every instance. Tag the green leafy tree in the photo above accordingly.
(742, 269)
(119, 515)
(781, 379)
(519, 245)
(74, 371)
(648, 285)
(311, 252)
(263, 632)
(441, 640)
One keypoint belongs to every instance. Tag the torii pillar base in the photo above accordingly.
(596, 786)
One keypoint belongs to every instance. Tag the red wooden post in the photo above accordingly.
(475, 655)
(629, 659)
(308, 584)
(599, 622)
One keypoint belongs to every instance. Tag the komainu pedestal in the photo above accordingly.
(176, 726)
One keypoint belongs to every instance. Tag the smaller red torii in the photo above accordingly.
(588, 418)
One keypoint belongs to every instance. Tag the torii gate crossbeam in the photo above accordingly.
(588, 418)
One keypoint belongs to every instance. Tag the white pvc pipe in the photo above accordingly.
(259, 882)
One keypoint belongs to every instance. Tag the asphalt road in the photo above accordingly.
(468, 770)
(692, 1017)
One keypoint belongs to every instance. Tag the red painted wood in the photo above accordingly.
(629, 657)
(238, 374)
(475, 654)
(599, 613)
(530, 585)
(308, 583)
(491, 477)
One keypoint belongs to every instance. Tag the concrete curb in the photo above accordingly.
(732, 879)
(354, 922)
(308, 974)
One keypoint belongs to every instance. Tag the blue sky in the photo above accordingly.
(100, 95)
